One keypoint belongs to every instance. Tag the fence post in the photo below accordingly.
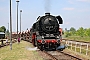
(80, 47)
(68, 44)
(71, 45)
(75, 46)
(87, 50)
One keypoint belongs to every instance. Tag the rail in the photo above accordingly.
(58, 55)
(81, 47)
(5, 42)
(2, 41)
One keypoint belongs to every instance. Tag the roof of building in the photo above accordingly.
(2, 33)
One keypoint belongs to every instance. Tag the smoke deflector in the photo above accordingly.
(59, 19)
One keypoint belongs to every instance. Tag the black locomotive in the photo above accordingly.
(45, 32)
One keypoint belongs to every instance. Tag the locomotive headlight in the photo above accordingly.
(57, 36)
(43, 37)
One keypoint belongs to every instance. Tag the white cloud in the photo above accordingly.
(84, 0)
(68, 8)
(66, 23)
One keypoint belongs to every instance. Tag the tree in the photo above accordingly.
(65, 29)
(2, 29)
(87, 32)
(67, 34)
(80, 32)
(72, 30)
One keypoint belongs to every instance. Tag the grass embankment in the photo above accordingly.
(78, 38)
(19, 52)
(83, 57)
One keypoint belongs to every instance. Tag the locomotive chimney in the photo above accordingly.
(47, 14)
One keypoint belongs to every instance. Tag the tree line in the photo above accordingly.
(80, 32)
(2, 29)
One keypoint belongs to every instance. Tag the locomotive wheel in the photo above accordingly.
(37, 45)
(35, 42)
(41, 48)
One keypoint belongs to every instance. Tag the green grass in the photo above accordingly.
(19, 52)
(78, 38)
(83, 51)
(73, 48)
(89, 52)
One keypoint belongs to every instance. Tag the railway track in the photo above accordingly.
(8, 43)
(58, 55)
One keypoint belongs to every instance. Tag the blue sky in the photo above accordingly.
(75, 13)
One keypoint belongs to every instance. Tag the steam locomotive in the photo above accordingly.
(45, 33)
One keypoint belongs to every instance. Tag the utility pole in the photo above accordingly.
(10, 27)
(17, 17)
(20, 23)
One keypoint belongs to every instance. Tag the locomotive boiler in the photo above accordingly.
(45, 32)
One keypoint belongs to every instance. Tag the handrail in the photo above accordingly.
(78, 45)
